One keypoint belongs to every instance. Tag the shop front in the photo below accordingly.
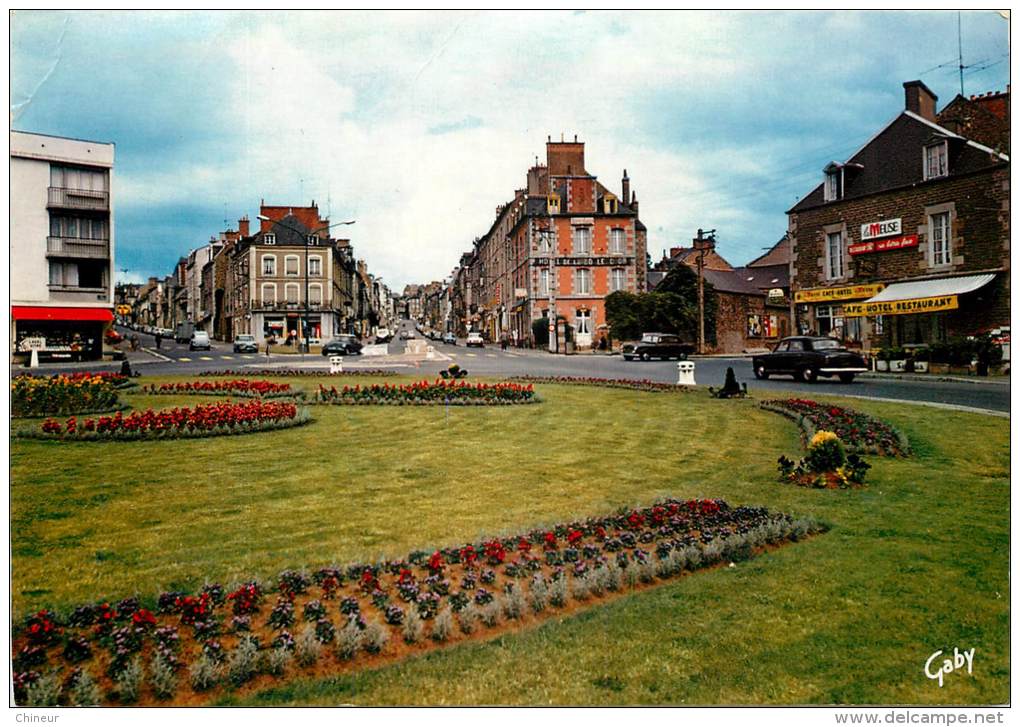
(60, 333)
(823, 312)
(922, 312)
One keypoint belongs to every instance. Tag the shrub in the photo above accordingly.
(85, 692)
(558, 592)
(413, 627)
(442, 627)
(538, 596)
(348, 640)
(276, 661)
(242, 663)
(205, 673)
(128, 682)
(439, 392)
(490, 613)
(375, 637)
(62, 394)
(825, 453)
(467, 618)
(307, 646)
(44, 691)
(163, 679)
(514, 603)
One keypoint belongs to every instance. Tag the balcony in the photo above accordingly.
(78, 199)
(77, 247)
(285, 306)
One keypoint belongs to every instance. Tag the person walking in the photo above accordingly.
(503, 342)
(159, 339)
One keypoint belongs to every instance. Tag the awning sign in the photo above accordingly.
(891, 243)
(824, 295)
(884, 228)
(901, 307)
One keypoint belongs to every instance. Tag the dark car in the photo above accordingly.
(342, 346)
(657, 345)
(808, 357)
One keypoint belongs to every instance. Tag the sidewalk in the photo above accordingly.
(137, 358)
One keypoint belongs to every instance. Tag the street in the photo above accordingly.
(175, 358)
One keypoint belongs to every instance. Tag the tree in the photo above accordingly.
(683, 281)
(671, 308)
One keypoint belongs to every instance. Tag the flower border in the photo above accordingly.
(809, 429)
(635, 384)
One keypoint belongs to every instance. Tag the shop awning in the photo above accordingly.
(918, 296)
(54, 313)
(932, 288)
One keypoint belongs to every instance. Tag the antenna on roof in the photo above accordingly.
(959, 45)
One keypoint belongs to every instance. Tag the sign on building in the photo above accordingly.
(883, 228)
(901, 307)
(892, 243)
(849, 292)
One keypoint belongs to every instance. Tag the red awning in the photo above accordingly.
(45, 313)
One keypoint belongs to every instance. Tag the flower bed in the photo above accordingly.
(859, 432)
(299, 372)
(638, 384)
(232, 387)
(206, 420)
(335, 618)
(80, 393)
(425, 393)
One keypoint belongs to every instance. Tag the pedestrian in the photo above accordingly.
(269, 342)
(134, 341)
(503, 341)
(159, 339)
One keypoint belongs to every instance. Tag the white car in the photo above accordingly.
(474, 338)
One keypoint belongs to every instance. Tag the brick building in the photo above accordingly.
(907, 242)
(564, 242)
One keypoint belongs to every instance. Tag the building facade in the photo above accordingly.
(62, 246)
(556, 250)
(907, 242)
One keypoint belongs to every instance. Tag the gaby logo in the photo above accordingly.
(935, 669)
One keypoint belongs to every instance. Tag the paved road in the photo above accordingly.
(491, 361)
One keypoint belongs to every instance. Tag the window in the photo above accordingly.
(609, 204)
(617, 279)
(936, 160)
(582, 281)
(290, 265)
(544, 241)
(292, 291)
(315, 294)
(63, 274)
(269, 264)
(833, 184)
(617, 242)
(543, 281)
(582, 322)
(553, 202)
(834, 255)
(269, 238)
(93, 180)
(582, 240)
(313, 239)
(796, 346)
(268, 293)
(315, 266)
(939, 239)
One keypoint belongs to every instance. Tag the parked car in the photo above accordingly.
(343, 345)
(450, 338)
(200, 340)
(245, 343)
(383, 335)
(658, 345)
(474, 338)
(112, 338)
(808, 357)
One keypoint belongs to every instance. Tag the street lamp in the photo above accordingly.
(304, 324)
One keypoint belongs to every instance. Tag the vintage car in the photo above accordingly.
(808, 357)
(245, 343)
(342, 345)
(657, 345)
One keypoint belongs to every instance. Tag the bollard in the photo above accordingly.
(685, 373)
(336, 364)
(430, 353)
(33, 362)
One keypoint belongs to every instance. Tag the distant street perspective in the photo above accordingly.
(510, 358)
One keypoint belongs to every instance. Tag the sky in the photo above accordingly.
(418, 125)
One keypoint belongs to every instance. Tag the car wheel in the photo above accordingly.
(808, 374)
(846, 378)
(628, 358)
(760, 372)
(645, 357)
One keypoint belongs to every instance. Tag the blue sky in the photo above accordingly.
(419, 125)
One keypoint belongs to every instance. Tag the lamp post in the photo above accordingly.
(304, 323)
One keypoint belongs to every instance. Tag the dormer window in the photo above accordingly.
(269, 238)
(313, 239)
(833, 182)
(936, 160)
(553, 201)
(609, 205)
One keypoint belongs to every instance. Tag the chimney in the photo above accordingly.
(634, 202)
(920, 100)
(626, 188)
(242, 226)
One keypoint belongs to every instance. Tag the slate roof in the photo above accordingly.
(765, 277)
(893, 158)
(730, 281)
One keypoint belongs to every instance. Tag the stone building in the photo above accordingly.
(907, 241)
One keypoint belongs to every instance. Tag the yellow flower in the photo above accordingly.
(821, 437)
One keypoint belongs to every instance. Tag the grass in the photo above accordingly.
(916, 562)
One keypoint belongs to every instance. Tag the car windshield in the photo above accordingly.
(246, 338)
(649, 338)
(825, 344)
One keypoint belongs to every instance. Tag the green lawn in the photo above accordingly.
(916, 562)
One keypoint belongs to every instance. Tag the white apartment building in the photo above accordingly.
(62, 246)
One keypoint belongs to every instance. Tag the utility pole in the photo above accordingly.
(699, 243)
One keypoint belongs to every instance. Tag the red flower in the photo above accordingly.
(523, 545)
(550, 540)
(436, 563)
(574, 536)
